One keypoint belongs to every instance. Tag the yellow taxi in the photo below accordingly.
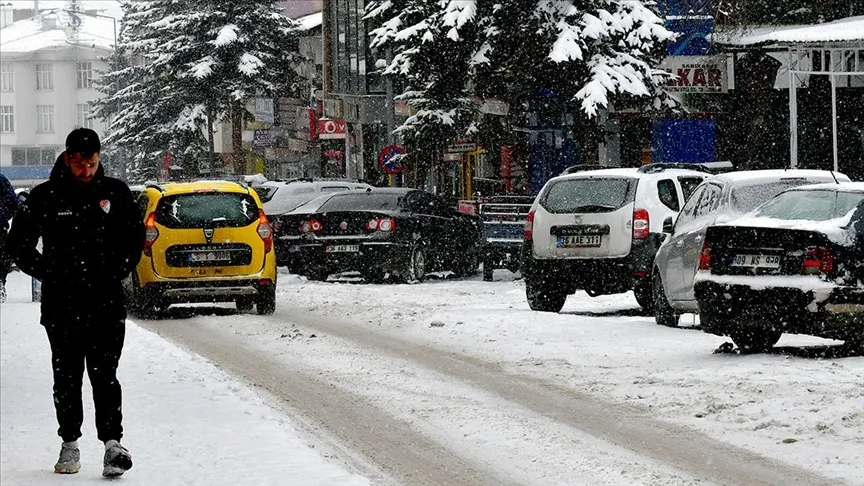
(206, 241)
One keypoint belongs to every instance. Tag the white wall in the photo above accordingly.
(65, 97)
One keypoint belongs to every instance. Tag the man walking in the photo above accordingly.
(8, 208)
(92, 238)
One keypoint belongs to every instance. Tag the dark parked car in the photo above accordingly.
(288, 235)
(404, 233)
(795, 266)
(504, 220)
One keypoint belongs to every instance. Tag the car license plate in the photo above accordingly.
(579, 241)
(343, 249)
(209, 256)
(756, 261)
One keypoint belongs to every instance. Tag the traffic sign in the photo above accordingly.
(389, 161)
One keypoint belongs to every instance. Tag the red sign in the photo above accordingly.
(331, 129)
(313, 117)
(389, 159)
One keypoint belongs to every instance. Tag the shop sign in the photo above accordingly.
(331, 129)
(696, 74)
(462, 147)
(264, 110)
(264, 138)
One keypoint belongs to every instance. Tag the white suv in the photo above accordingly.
(598, 231)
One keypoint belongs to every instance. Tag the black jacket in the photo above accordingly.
(92, 238)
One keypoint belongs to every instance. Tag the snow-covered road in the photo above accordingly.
(457, 382)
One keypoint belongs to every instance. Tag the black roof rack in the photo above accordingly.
(710, 167)
(584, 167)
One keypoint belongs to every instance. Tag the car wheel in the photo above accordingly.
(755, 339)
(245, 304)
(467, 265)
(266, 304)
(488, 271)
(542, 297)
(644, 293)
(664, 314)
(318, 275)
(415, 266)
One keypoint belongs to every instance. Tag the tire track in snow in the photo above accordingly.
(621, 425)
(401, 453)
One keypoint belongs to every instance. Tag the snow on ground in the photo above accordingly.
(787, 405)
(187, 423)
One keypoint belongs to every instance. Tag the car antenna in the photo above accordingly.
(834, 176)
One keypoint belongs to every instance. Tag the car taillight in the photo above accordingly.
(817, 261)
(385, 224)
(705, 256)
(641, 224)
(150, 234)
(529, 226)
(265, 231)
(310, 226)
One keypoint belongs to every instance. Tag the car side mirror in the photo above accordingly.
(669, 225)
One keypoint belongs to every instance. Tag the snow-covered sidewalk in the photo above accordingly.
(186, 422)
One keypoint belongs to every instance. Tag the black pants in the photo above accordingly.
(97, 344)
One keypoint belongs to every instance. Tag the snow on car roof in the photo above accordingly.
(843, 187)
(755, 175)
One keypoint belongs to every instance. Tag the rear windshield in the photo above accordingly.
(363, 202)
(821, 205)
(310, 206)
(207, 210)
(749, 196)
(589, 195)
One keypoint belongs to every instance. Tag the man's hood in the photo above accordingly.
(61, 171)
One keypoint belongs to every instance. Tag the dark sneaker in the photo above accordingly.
(70, 459)
(117, 460)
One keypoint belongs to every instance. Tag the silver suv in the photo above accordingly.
(598, 231)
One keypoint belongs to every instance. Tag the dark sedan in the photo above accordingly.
(794, 266)
(403, 233)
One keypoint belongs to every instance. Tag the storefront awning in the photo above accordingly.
(848, 30)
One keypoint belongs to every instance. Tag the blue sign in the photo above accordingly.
(693, 35)
(687, 141)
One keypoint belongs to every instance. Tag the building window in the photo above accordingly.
(7, 119)
(45, 119)
(6, 79)
(85, 75)
(34, 155)
(84, 119)
(44, 76)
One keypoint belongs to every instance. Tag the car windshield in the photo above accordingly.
(752, 194)
(588, 195)
(364, 201)
(207, 210)
(817, 205)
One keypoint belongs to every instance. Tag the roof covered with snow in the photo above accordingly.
(30, 35)
(850, 29)
(842, 187)
(310, 21)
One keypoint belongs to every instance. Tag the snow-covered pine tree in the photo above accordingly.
(191, 63)
(145, 106)
(584, 54)
(433, 43)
